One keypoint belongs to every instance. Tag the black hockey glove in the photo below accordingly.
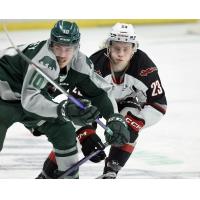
(90, 142)
(70, 111)
(129, 102)
(134, 124)
(121, 134)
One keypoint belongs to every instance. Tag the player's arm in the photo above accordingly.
(155, 104)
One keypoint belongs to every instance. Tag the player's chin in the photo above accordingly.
(121, 63)
(62, 63)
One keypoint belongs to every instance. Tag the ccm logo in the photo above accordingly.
(133, 124)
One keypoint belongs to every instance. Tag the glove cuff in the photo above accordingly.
(85, 132)
(135, 123)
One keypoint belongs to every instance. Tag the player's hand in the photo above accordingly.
(91, 142)
(121, 134)
(70, 111)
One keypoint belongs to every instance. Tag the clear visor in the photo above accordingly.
(75, 45)
(134, 43)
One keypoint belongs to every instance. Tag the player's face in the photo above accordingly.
(120, 53)
(64, 54)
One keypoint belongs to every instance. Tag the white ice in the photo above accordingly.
(169, 149)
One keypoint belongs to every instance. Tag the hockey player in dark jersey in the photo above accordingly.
(137, 89)
(25, 97)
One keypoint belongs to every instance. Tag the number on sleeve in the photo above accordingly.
(157, 89)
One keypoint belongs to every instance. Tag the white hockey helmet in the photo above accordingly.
(123, 33)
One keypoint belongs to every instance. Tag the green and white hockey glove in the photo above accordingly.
(121, 134)
(70, 111)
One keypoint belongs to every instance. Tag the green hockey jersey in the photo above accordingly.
(19, 81)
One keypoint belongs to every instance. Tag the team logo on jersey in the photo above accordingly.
(146, 72)
(48, 62)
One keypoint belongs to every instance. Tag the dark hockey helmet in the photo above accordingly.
(65, 33)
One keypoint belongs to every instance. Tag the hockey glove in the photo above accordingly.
(90, 142)
(70, 111)
(135, 124)
(129, 102)
(121, 134)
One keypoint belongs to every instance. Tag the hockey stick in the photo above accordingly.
(38, 66)
(80, 162)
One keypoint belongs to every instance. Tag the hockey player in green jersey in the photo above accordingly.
(25, 94)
